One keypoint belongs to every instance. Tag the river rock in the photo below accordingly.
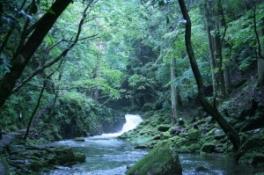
(141, 147)
(219, 134)
(176, 130)
(162, 160)
(80, 139)
(193, 134)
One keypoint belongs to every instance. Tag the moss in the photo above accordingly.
(193, 134)
(162, 160)
(37, 165)
(66, 156)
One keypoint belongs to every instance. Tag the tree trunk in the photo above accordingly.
(221, 25)
(259, 50)
(211, 49)
(35, 110)
(260, 72)
(178, 98)
(96, 75)
(173, 90)
(227, 128)
(19, 63)
(227, 79)
(219, 58)
(213, 12)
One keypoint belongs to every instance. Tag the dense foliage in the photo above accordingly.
(102, 58)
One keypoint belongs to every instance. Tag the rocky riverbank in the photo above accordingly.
(25, 158)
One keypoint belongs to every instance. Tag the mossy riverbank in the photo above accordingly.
(196, 132)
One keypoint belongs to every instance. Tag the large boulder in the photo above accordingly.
(162, 160)
(66, 156)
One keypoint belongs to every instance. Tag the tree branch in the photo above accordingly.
(63, 54)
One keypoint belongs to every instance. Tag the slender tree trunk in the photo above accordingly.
(259, 50)
(227, 79)
(173, 90)
(7, 83)
(211, 49)
(219, 58)
(228, 69)
(221, 25)
(218, 52)
(35, 110)
(97, 74)
(260, 72)
(178, 98)
(214, 22)
(227, 128)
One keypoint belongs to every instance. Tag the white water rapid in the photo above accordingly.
(132, 121)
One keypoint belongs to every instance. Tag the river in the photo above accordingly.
(107, 155)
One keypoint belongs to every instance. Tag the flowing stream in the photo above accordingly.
(107, 155)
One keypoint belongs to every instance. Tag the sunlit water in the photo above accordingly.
(107, 155)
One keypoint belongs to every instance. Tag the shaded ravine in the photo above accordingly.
(107, 155)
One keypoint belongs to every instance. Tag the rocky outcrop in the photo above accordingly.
(24, 160)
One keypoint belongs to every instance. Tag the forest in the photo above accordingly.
(136, 87)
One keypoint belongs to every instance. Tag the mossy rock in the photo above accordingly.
(37, 165)
(163, 128)
(162, 160)
(193, 134)
(67, 156)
